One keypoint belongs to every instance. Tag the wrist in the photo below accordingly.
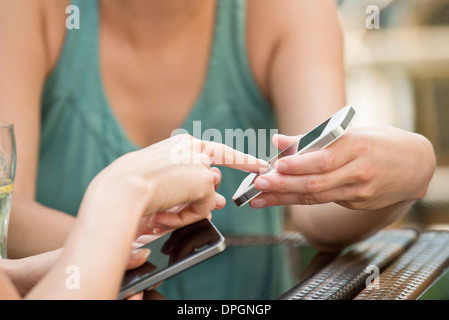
(129, 194)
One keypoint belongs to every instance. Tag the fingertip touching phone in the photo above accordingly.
(173, 253)
(320, 137)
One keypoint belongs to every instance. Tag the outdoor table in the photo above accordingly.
(396, 263)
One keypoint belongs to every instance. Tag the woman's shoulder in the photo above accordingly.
(284, 13)
(42, 22)
(272, 23)
(54, 15)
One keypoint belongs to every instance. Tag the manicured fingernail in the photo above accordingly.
(220, 200)
(280, 166)
(140, 253)
(262, 184)
(258, 203)
(264, 166)
(158, 230)
(216, 177)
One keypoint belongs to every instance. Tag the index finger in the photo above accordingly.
(318, 161)
(223, 155)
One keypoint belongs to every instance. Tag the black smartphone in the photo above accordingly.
(172, 254)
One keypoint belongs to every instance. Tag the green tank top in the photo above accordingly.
(80, 135)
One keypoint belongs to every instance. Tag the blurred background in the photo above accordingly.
(397, 62)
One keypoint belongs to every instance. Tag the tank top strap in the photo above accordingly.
(230, 38)
(75, 87)
(79, 50)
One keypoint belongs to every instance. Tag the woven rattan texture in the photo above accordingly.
(346, 276)
(414, 271)
(288, 238)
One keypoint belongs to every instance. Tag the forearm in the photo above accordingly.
(7, 290)
(35, 228)
(331, 227)
(25, 273)
(146, 182)
(97, 255)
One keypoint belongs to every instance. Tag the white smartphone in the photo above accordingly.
(319, 138)
(172, 254)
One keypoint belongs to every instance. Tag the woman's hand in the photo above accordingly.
(171, 181)
(149, 230)
(148, 182)
(367, 168)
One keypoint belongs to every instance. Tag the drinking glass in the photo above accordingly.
(7, 172)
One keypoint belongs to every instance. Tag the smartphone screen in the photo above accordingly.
(295, 147)
(182, 248)
(312, 135)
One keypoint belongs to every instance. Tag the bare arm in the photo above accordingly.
(7, 289)
(143, 183)
(147, 182)
(35, 228)
(361, 183)
(24, 65)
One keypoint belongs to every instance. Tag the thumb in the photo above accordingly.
(282, 142)
(137, 258)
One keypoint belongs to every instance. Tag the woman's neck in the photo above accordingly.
(152, 19)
